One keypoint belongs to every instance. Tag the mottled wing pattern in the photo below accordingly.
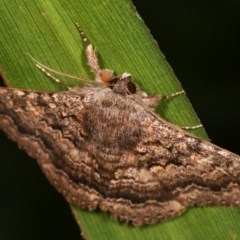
(48, 126)
(104, 150)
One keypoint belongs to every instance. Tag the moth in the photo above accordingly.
(103, 147)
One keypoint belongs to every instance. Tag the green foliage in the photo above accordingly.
(45, 29)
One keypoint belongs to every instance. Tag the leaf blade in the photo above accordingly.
(46, 31)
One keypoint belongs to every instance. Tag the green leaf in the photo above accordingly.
(45, 29)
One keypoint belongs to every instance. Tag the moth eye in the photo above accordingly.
(131, 87)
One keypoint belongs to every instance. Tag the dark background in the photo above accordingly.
(200, 40)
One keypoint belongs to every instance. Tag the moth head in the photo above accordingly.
(123, 84)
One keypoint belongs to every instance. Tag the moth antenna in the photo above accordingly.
(40, 65)
(42, 69)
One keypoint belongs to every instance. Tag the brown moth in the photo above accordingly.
(104, 147)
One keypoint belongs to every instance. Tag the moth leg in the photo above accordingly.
(177, 94)
(192, 127)
(173, 95)
(152, 101)
(101, 75)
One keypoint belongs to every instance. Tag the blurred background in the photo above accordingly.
(200, 40)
